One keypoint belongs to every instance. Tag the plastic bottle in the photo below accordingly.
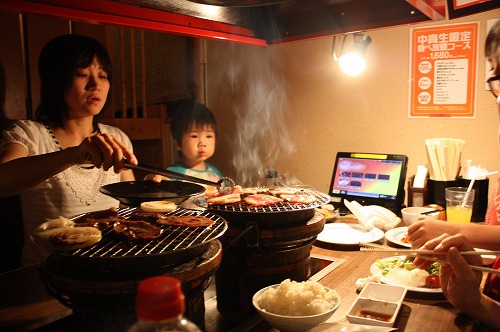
(466, 169)
(271, 179)
(160, 306)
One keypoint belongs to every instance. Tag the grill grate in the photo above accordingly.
(242, 206)
(173, 238)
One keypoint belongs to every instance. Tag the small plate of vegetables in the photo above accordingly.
(400, 270)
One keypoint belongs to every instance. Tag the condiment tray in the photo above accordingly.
(377, 304)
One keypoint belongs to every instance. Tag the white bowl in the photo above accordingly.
(293, 323)
(412, 214)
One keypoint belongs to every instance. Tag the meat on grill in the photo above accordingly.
(136, 230)
(101, 219)
(150, 217)
(188, 221)
(165, 219)
(111, 212)
(225, 199)
(298, 198)
(262, 200)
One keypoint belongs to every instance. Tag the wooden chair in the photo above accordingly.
(150, 136)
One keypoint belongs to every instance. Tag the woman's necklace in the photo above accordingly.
(83, 182)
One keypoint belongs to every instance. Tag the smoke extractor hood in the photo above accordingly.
(259, 22)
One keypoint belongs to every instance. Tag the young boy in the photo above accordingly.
(194, 131)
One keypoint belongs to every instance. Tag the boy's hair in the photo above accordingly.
(58, 62)
(189, 114)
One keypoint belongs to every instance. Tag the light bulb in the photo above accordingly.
(352, 64)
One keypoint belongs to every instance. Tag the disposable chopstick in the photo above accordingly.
(434, 169)
(431, 212)
(474, 267)
(373, 247)
(427, 252)
(484, 269)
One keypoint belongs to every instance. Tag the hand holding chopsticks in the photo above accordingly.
(373, 247)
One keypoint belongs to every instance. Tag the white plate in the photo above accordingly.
(375, 271)
(348, 234)
(396, 234)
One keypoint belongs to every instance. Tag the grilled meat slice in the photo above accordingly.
(136, 230)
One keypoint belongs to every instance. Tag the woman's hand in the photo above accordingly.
(103, 150)
(156, 178)
(460, 284)
(427, 229)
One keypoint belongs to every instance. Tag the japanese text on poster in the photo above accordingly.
(443, 63)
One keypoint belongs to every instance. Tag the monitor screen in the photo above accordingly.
(369, 178)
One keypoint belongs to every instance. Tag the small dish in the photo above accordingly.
(373, 312)
(383, 292)
(396, 236)
(329, 211)
(377, 304)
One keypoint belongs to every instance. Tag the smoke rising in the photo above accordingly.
(261, 136)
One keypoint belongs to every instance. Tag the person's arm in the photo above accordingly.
(19, 171)
(480, 236)
(460, 284)
(487, 312)
(127, 175)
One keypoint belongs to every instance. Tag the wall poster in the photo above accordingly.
(443, 65)
(459, 8)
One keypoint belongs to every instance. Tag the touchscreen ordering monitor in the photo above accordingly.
(369, 179)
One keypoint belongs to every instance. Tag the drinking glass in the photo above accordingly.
(459, 204)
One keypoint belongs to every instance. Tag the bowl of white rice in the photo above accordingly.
(296, 306)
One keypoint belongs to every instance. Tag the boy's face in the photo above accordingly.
(197, 145)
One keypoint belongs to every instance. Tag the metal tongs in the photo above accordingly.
(225, 186)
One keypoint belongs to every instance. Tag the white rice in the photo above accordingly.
(292, 298)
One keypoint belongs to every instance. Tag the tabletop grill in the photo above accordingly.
(264, 246)
(99, 282)
(175, 245)
(271, 215)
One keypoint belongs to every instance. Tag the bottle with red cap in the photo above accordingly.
(159, 306)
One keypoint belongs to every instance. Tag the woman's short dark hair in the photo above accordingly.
(492, 44)
(58, 62)
(190, 113)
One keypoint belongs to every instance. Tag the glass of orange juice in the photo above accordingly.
(459, 204)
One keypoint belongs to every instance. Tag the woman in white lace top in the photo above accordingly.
(42, 159)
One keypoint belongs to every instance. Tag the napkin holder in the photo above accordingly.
(417, 196)
(435, 191)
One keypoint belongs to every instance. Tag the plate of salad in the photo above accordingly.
(400, 270)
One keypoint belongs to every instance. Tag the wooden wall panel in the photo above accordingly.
(12, 80)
